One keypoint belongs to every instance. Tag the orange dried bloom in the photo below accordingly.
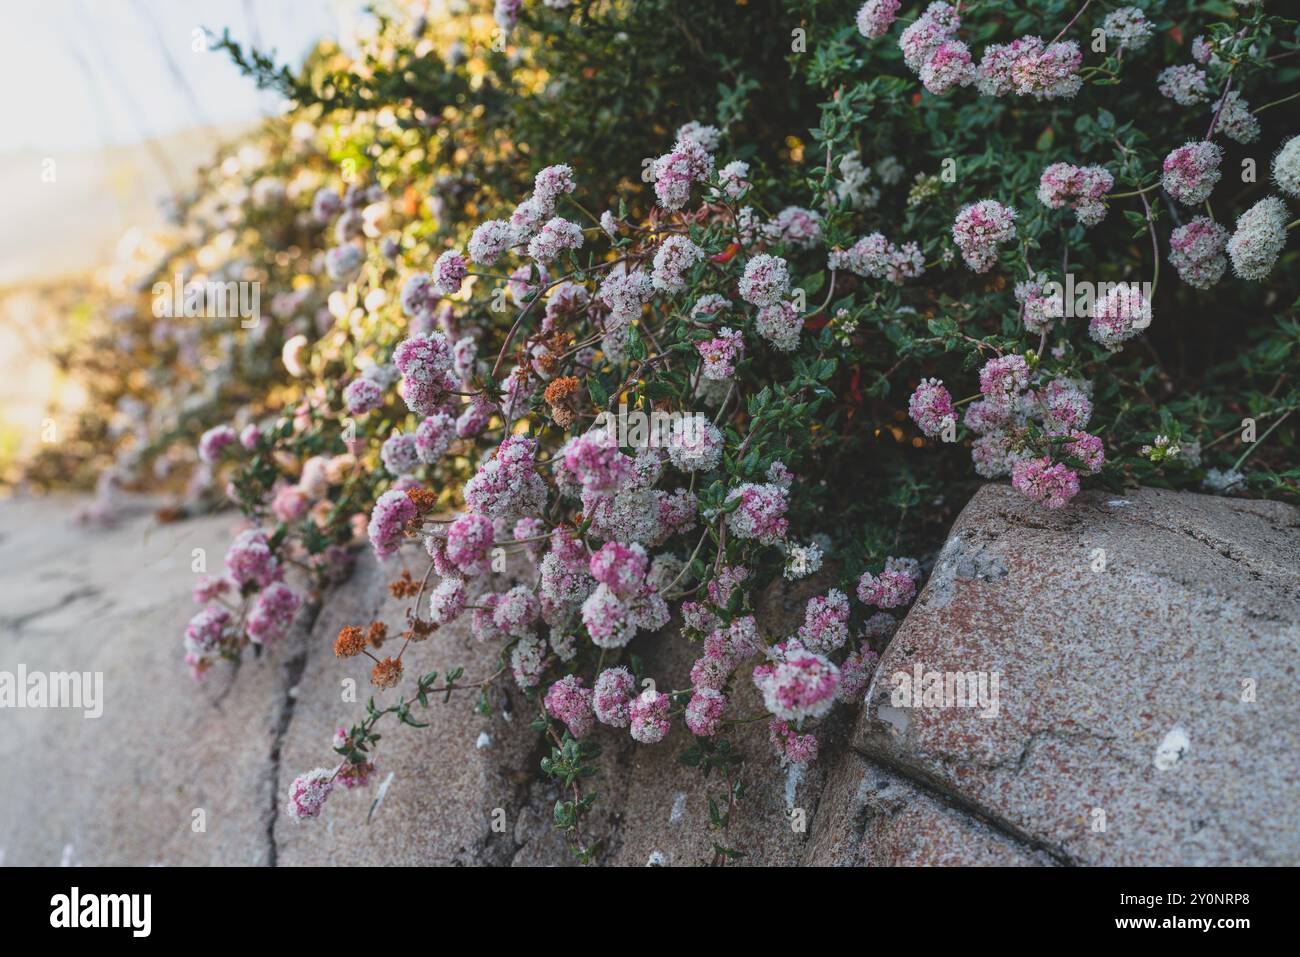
(376, 634)
(404, 587)
(387, 673)
(350, 642)
(562, 396)
(423, 499)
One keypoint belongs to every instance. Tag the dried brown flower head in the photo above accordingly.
(404, 587)
(562, 395)
(387, 673)
(351, 641)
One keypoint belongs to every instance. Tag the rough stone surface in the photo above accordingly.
(872, 817)
(123, 787)
(1146, 647)
(1103, 666)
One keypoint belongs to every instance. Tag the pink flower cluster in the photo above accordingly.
(931, 407)
(388, 520)
(721, 354)
(1081, 188)
(875, 17)
(875, 257)
(1051, 485)
(1030, 66)
(931, 49)
(674, 172)
(979, 229)
(571, 703)
(797, 683)
(1196, 250)
(761, 513)
(507, 482)
(424, 361)
(1191, 171)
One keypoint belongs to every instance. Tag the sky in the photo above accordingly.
(81, 74)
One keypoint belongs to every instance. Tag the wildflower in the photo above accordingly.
(675, 256)
(1066, 404)
(1122, 313)
(798, 683)
(761, 513)
(1128, 27)
(1162, 449)
(350, 642)
(562, 396)
(648, 716)
(272, 613)
(978, 230)
(1086, 449)
(802, 561)
(794, 226)
(400, 453)
(1196, 250)
(608, 618)
(933, 27)
(675, 171)
(931, 407)
(621, 567)
(766, 280)
(469, 538)
(553, 181)
(507, 482)
(528, 661)
(433, 437)
(947, 65)
(362, 395)
(249, 560)
(855, 674)
(1191, 172)
(612, 697)
(515, 611)
(704, 712)
(214, 441)
(388, 521)
(555, 237)
(308, 793)
(780, 324)
(1003, 378)
(1050, 485)
(790, 746)
(490, 241)
(1286, 167)
(721, 354)
(424, 361)
(1236, 121)
(208, 588)
(625, 294)
(571, 703)
(890, 589)
(733, 179)
(1185, 84)
(875, 17)
(206, 631)
(826, 622)
(449, 272)
(1079, 187)
(1258, 239)
(386, 673)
